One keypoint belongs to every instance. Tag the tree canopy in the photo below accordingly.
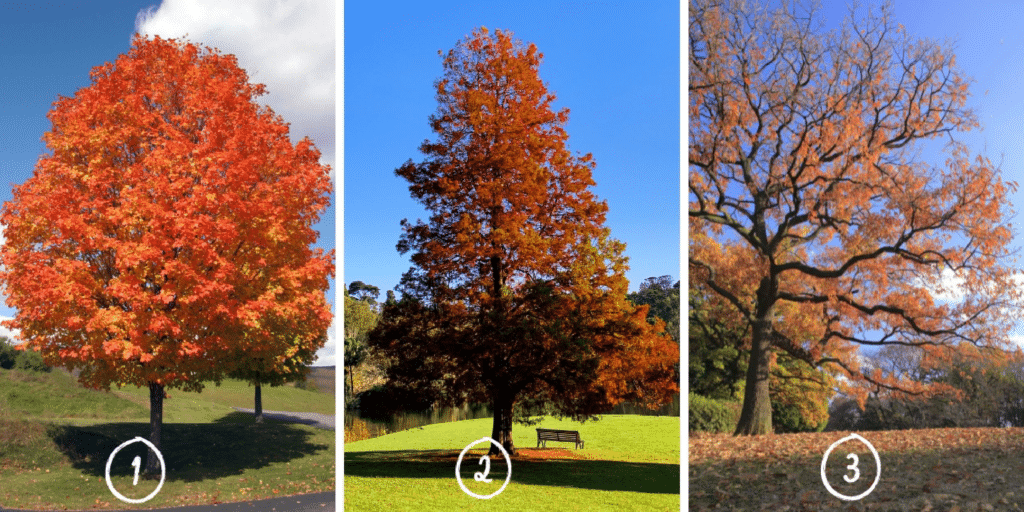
(811, 212)
(169, 228)
(518, 289)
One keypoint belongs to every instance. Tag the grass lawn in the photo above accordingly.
(630, 463)
(55, 438)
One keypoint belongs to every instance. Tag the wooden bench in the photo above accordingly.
(568, 436)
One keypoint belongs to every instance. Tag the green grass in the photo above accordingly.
(629, 463)
(56, 437)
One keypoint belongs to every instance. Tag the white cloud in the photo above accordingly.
(325, 356)
(1017, 339)
(949, 287)
(288, 46)
(14, 336)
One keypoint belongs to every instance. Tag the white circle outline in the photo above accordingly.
(458, 465)
(163, 471)
(878, 473)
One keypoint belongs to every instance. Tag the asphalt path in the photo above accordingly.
(317, 502)
(324, 421)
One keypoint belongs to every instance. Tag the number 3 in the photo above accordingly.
(856, 472)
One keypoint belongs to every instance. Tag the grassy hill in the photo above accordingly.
(629, 463)
(56, 437)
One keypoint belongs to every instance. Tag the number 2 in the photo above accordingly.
(853, 466)
(137, 462)
(482, 477)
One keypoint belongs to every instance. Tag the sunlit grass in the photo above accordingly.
(629, 463)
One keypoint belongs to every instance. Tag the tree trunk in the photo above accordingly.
(156, 418)
(349, 384)
(259, 405)
(756, 416)
(501, 430)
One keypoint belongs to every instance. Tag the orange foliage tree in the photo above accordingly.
(168, 232)
(518, 293)
(810, 211)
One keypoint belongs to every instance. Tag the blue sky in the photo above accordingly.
(989, 48)
(614, 66)
(48, 49)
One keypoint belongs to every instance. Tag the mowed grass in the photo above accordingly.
(629, 463)
(56, 437)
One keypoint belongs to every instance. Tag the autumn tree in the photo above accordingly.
(168, 230)
(517, 290)
(360, 319)
(287, 359)
(805, 172)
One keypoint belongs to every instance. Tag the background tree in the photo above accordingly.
(717, 362)
(518, 290)
(287, 360)
(168, 230)
(662, 299)
(360, 319)
(364, 292)
(980, 395)
(802, 151)
(8, 354)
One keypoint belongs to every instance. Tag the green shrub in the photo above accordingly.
(30, 360)
(8, 355)
(306, 384)
(787, 419)
(710, 415)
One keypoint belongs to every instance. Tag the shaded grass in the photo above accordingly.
(630, 463)
(206, 463)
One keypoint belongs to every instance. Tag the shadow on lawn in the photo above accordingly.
(192, 451)
(601, 475)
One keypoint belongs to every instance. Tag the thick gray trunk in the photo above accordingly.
(501, 429)
(756, 416)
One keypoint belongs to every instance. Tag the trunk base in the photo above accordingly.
(156, 418)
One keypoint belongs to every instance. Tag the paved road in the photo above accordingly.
(324, 421)
(317, 502)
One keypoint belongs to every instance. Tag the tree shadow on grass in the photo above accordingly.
(601, 475)
(192, 451)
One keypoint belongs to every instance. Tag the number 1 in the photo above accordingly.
(137, 461)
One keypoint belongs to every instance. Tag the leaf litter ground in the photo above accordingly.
(950, 469)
